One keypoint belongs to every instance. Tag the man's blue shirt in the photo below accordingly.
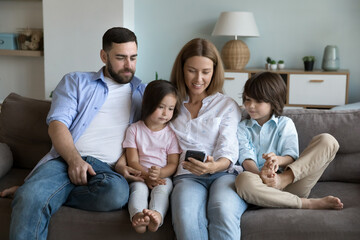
(77, 99)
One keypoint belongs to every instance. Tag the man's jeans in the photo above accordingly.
(49, 188)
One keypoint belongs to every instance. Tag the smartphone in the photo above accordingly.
(198, 155)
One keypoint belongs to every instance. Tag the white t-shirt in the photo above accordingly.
(105, 134)
(213, 131)
(153, 147)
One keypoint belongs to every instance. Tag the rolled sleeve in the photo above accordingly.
(227, 143)
(288, 140)
(246, 148)
(64, 102)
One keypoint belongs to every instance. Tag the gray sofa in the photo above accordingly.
(24, 140)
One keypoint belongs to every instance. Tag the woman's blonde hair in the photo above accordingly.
(198, 47)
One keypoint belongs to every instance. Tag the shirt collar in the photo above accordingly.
(205, 100)
(253, 122)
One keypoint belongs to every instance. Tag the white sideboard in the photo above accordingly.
(308, 89)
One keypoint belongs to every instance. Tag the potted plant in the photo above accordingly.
(273, 65)
(281, 64)
(309, 63)
(268, 62)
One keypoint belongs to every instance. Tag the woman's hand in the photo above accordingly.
(209, 166)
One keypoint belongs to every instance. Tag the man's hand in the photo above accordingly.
(153, 183)
(129, 173)
(78, 170)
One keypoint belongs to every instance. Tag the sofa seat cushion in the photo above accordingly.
(13, 177)
(73, 224)
(267, 223)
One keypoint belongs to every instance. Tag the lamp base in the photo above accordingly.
(235, 54)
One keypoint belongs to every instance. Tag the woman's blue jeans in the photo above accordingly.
(49, 188)
(206, 207)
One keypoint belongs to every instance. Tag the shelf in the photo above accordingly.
(24, 53)
(290, 71)
(20, 0)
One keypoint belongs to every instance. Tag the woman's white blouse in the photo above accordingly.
(213, 131)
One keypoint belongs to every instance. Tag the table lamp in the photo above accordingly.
(235, 54)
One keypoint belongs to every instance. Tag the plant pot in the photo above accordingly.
(308, 65)
(273, 66)
(281, 66)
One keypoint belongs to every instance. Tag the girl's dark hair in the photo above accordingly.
(117, 35)
(267, 87)
(155, 91)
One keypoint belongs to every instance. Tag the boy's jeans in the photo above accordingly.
(49, 188)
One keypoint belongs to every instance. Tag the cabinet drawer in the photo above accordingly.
(317, 89)
(234, 85)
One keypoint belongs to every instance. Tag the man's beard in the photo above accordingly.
(117, 77)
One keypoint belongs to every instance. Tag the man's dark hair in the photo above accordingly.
(267, 87)
(154, 93)
(117, 35)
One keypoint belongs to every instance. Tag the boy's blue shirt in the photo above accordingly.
(277, 135)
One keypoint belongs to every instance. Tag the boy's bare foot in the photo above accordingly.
(328, 202)
(140, 222)
(155, 219)
(9, 192)
(278, 181)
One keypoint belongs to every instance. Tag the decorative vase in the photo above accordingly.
(331, 61)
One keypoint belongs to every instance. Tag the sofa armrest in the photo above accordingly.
(6, 159)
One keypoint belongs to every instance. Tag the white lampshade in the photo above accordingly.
(235, 54)
(236, 24)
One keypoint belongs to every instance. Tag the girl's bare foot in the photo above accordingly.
(140, 222)
(155, 219)
(328, 202)
(9, 192)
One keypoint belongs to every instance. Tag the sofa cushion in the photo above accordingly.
(344, 126)
(23, 128)
(6, 160)
(282, 223)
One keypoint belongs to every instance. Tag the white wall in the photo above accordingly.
(289, 30)
(73, 33)
(22, 75)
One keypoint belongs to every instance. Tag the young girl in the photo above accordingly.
(151, 147)
(275, 175)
